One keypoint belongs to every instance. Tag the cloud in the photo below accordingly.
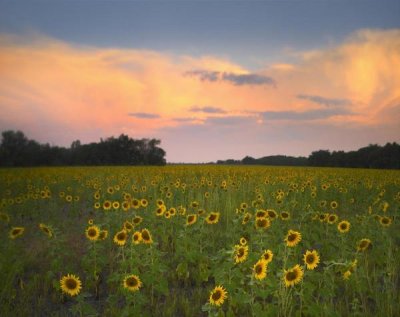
(234, 78)
(58, 92)
(303, 115)
(325, 101)
(207, 109)
(248, 79)
(144, 115)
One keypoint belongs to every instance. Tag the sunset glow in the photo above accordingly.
(204, 107)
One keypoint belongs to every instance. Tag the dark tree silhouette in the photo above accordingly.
(17, 150)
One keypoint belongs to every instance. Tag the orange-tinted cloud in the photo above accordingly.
(86, 92)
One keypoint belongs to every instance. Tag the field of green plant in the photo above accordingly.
(199, 241)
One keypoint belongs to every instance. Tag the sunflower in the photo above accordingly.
(128, 226)
(16, 232)
(97, 205)
(45, 229)
(90, 222)
(240, 253)
(385, 221)
(293, 276)
(125, 206)
(137, 220)
(146, 236)
(212, 218)
(4, 217)
(271, 214)
(285, 215)
(115, 205)
(323, 217)
(135, 203)
(332, 218)
(103, 235)
(246, 218)
(70, 284)
(262, 223)
(121, 237)
(92, 233)
(132, 283)
(107, 205)
(261, 213)
(194, 204)
(167, 214)
(334, 204)
(218, 296)
(159, 202)
(144, 203)
(344, 226)
(260, 269)
(292, 238)
(267, 256)
(137, 237)
(191, 219)
(172, 211)
(243, 241)
(160, 210)
(363, 244)
(311, 259)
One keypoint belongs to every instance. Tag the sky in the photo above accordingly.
(210, 79)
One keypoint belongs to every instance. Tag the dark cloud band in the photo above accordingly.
(234, 78)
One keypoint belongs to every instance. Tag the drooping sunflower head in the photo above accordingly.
(15, 232)
(311, 259)
(213, 218)
(103, 235)
(267, 256)
(241, 252)
(260, 269)
(191, 219)
(292, 238)
(128, 226)
(146, 236)
(132, 283)
(343, 226)
(293, 276)
(218, 296)
(92, 233)
(137, 237)
(246, 218)
(121, 237)
(262, 223)
(363, 244)
(46, 230)
(70, 284)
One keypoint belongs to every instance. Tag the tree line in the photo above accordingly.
(17, 150)
(371, 156)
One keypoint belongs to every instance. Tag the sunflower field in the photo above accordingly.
(199, 241)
